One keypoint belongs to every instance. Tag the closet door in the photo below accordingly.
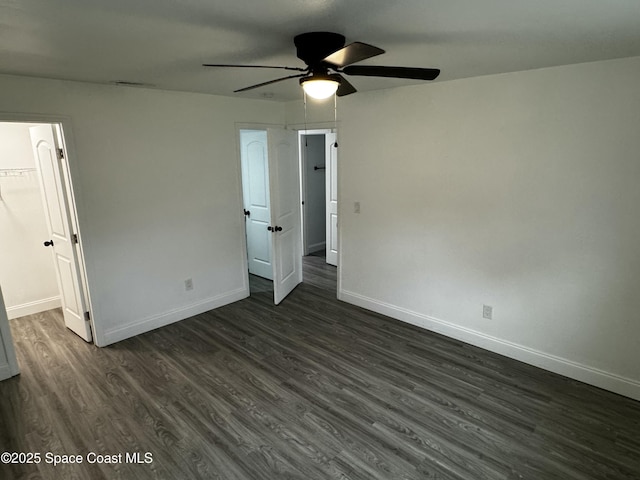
(255, 194)
(48, 155)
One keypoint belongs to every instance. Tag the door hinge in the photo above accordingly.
(87, 316)
(75, 238)
(60, 154)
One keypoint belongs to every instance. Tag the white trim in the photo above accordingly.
(314, 131)
(307, 249)
(302, 180)
(244, 260)
(156, 321)
(313, 126)
(568, 368)
(30, 308)
(316, 247)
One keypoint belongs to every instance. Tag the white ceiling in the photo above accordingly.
(164, 42)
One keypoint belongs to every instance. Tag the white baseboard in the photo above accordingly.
(568, 368)
(156, 321)
(316, 247)
(33, 307)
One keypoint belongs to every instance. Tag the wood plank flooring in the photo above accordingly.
(311, 389)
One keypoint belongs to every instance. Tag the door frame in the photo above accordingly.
(71, 179)
(238, 145)
(303, 178)
(314, 126)
(334, 127)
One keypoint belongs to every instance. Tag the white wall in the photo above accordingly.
(519, 191)
(15, 146)
(516, 190)
(156, 175)
(313, 155)
(27, 273)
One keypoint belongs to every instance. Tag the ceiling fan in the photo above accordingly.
(328, 59)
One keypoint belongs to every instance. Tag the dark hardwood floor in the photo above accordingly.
(311, 389)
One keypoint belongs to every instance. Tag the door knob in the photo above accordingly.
(277, 229)
(270, 228)
(48, 243)
(247, 213)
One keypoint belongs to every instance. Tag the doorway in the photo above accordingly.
(256, 201)
(271, 180)
(271, 203)
(41, 261)
(319, 193)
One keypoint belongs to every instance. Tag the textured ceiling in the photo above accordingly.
(164, 42)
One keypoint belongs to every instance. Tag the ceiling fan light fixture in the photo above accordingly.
(320, 87)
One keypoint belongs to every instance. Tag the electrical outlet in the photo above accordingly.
(487, 312)
(356, 207)
(188, 284)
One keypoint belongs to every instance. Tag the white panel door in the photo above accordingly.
(255, 193)
(46, 151)
(285, 212)
(331, 197)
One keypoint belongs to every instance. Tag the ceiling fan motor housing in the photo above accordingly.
(313, 47)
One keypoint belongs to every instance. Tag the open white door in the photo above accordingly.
(285, 212)
(255, 194)
(48, 156)
(331, 196)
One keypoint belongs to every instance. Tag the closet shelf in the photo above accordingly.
(15, 172)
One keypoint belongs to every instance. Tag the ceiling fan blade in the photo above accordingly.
(345, 87)
(352, 53)
(297, 69)
(393, 72)
(269, 82)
